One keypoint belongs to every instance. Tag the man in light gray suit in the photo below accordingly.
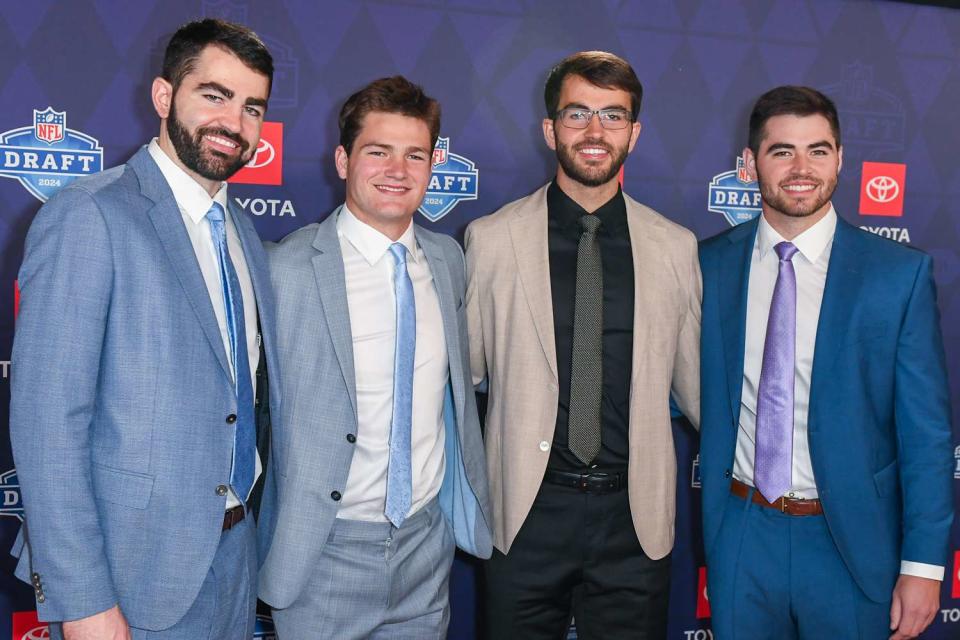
(145, 302)
(378, 468)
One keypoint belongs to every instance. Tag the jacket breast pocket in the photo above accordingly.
(122, 487)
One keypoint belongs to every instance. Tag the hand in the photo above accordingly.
(915, 604)
(106, 625)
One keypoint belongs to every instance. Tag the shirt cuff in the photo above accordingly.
(921, 570)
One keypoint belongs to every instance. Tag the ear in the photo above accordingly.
(161, 92)
(839, 158)
(342, 160)
(549, 133)
(751, 161)
(634, 134)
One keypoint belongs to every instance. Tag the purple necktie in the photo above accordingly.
(774, 455)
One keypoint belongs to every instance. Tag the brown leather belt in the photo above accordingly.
(789, 506)
(233, 517)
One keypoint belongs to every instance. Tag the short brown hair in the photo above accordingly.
(790, 100)
(599, 68)
(388, 95)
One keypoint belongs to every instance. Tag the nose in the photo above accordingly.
(594, 127)
(801, 163)
(396, 167)
(231, 118)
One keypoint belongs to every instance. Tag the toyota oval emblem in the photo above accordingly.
(262, 156)
(37, 633)
(882, 189)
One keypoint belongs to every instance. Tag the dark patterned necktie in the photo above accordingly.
(586, 368)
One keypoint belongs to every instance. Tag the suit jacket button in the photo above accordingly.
(351, 438)
(727, 474)
(336, 495)
(221, 489)
(41, 598)
(231, 418)
(544, 446)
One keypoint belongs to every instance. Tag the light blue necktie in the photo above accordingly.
(399, 476)
(245, 436)
(773, 462)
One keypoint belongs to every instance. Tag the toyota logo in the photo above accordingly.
(37, 633)
(882, 189)
(262, 156)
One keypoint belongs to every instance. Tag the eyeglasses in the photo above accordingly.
(576, 118)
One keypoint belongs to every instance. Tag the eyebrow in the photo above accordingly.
(229, 93)
(578, 105)
(784, 145)
(390, 147)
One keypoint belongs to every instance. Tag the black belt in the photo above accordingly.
(233, 517)
(597, 482)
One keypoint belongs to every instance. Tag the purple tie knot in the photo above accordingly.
(786, 250)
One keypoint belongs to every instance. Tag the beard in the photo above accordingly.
(590, 175)
(212, 165)
(781, 201)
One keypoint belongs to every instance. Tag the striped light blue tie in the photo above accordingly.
(399, 477)
(245, 436)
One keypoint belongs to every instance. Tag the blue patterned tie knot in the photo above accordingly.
(399, 475)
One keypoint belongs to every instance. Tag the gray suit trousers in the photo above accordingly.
(376, 581)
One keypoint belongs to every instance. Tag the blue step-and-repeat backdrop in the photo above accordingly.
(74, 98)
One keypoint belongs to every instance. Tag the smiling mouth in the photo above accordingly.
(593, 152)
(389, 188)
(221, 144)
(799, 189)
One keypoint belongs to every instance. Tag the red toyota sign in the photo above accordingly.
(881, 189)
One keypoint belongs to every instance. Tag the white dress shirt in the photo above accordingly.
(194, 202)
(368, 268)
(810, 265)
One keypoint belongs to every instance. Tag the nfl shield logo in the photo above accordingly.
(742, 174)
(440, 151)
(49, 125)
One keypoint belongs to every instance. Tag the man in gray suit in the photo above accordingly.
(378, 468)
(145, 302)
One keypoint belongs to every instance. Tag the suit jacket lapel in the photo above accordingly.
(440, 271)
(528, 234)
(733, 278)
(844, 279)
(166, 219)
(332, 285)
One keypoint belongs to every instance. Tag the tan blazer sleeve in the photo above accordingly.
(478, 361)
(685, 386)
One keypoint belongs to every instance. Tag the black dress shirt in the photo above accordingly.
(563, 236)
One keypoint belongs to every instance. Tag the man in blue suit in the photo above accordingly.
(146, 321)
(379, 467)
(825, 429)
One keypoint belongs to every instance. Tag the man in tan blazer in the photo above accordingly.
(584, 315)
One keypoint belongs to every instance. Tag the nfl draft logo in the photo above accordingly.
(734, 195)
(454, 178)
(10, 489)
(47, 156)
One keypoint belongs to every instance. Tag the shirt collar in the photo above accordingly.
(370, 243)
(811, 243)
(567, 213)
(192, 199)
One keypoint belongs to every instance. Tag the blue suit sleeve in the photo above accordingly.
(65, 282)
(922, 414)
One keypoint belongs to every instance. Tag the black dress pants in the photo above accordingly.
(576, 555)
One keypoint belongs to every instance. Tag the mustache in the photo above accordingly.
(223, 133)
